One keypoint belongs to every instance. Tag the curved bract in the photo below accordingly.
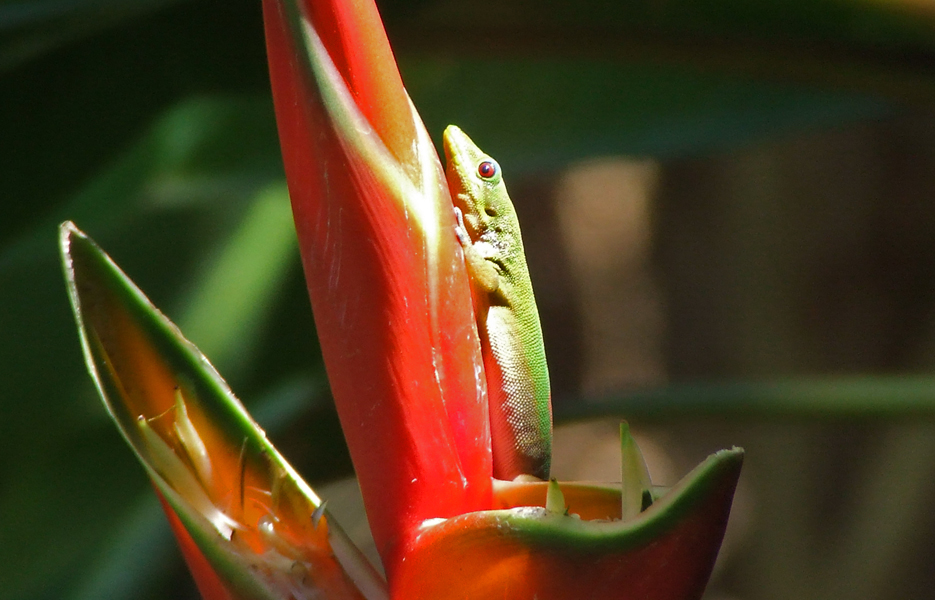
(666, 553)
(247, 524)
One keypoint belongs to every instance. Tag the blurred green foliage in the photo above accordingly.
(150, 125)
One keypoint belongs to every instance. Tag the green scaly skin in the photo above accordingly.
(507, 318)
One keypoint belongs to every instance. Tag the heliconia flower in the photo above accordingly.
(394, 314)
(388, 285)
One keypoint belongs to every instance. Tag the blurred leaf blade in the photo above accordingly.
(665, 79)
(816, 397)
(239, 286)
(608, 107)
(118, 572)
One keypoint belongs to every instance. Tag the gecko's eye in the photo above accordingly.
(488, 170)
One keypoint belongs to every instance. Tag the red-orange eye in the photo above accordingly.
(487, 169)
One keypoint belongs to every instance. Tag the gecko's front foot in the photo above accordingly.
(461, 230)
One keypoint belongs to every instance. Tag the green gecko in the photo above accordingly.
(507, 318)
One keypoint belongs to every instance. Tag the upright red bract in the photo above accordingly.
(388, 287)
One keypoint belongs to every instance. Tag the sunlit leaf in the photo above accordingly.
(841, 397)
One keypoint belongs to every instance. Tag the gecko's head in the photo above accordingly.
(473, 177)
(466, 163)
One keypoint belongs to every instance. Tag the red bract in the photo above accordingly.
(353, 36)
(389, 291)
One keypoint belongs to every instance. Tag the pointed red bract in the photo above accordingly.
(387, 283)
(353, 35)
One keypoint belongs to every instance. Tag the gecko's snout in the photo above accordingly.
(451, 141)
